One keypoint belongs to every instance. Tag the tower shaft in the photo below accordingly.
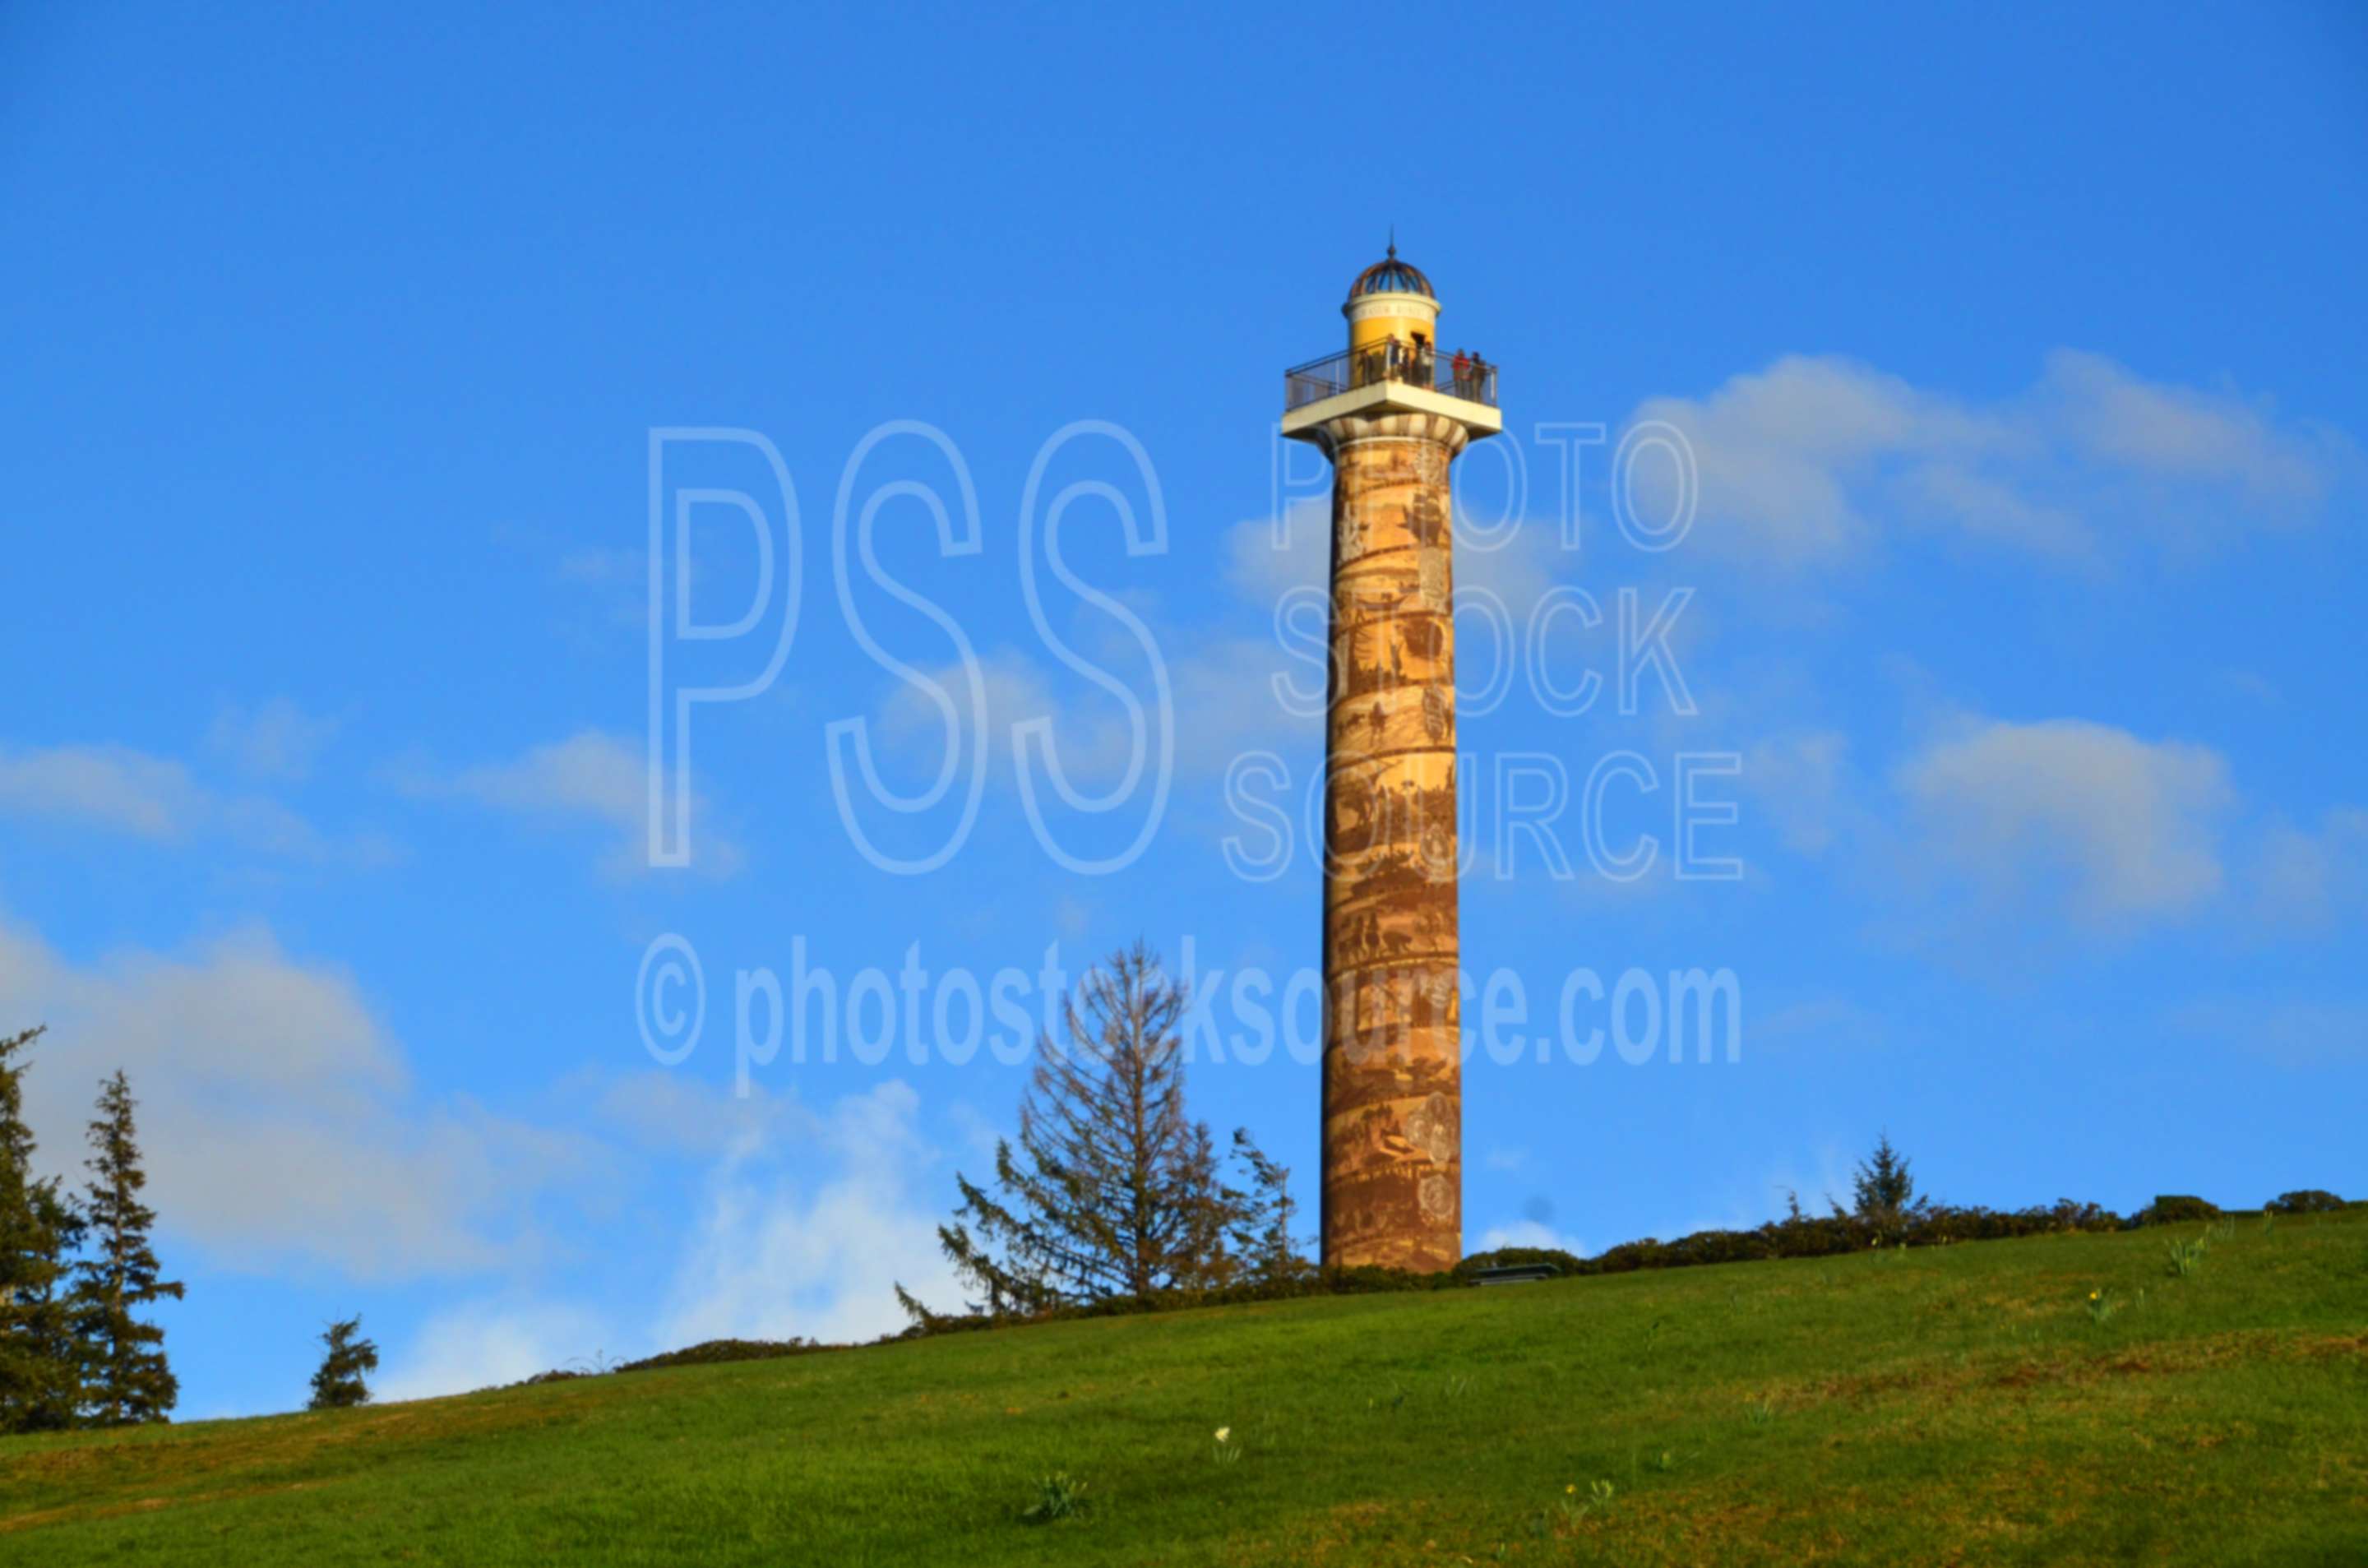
(1393, 1080)
(1392, 413)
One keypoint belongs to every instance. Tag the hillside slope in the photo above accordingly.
(1954, 1404)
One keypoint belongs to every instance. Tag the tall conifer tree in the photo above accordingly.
(39, 1229)
(125, 1378)
(1113, 1190)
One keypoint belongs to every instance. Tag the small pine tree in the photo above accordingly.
(1883, 1187)
(338, 1384)
(39, 1231)
(1262, 1235)
(1113, 1190)
(125, 1378)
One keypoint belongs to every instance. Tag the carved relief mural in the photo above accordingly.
(1393, 1097)
(1391, 416)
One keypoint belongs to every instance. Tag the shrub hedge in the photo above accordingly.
(1800, 1235)
(2172, 1209)
(724, 1350)
(1812, 1236)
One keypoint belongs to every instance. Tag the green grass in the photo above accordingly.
(1956, 1404)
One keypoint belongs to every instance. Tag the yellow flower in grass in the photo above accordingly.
(1224, 1434)
(1572, 1488)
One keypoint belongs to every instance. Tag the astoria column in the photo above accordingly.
(1391, 414)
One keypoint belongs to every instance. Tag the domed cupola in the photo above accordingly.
(1390, 299)
(1390, 276)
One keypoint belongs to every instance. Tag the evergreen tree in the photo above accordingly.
(1113, 1190)
(1883, 1187)
(125, 1378)
(1262, 1235)
(39, 1231)
(338, 1384)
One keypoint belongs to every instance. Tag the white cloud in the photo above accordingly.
(1768, 1194)
(1780, 452)
(2115, 417)
(2116, 830)
(1776, 1192)
(1093, 736)
(1015, 688)
(276, 741)
(806, 1223)
(1520, 568)
(277, 1114)
(1262, 570)
(112, 786)
(609, 588)
(979, 1133)
(1814, 457)
(1226, 703)
(1219, 687)
(593, 779)
(776, 1255)
(119, 790)
(1988, 823)
(2305, 878)
(677, 1113)
(587, 774)
(1804, 781)
(283, 1132)
(486, 1344)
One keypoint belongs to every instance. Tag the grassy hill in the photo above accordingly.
(1951, 1404)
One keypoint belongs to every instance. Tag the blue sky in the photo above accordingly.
(2019, 355)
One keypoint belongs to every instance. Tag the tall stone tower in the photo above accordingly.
(1391, 414)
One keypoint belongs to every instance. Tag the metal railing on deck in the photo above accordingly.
(1391, 360)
